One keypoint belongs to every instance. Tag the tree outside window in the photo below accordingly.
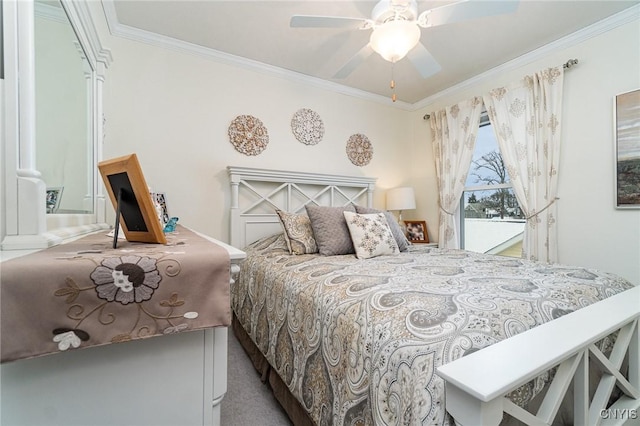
(492, 221)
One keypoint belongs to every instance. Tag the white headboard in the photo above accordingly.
(256, 193)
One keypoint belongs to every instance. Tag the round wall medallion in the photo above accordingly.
(359, 149)
(307, 126)
(248, 135)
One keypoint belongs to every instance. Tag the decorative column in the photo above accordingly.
(26, 225)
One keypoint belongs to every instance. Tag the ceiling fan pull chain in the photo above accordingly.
(392, 85)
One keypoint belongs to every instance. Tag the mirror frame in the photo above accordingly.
(26, 224)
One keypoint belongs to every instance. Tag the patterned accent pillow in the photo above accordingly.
(330, 229)
(396, 230)
(298, 233)
(371, 235)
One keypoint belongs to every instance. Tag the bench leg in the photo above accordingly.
(469, 411)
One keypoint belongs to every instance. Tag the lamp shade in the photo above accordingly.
(401, 199)
(394, 39)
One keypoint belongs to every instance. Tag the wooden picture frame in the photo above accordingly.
(417, 231)
(137, 217)
(627, 150)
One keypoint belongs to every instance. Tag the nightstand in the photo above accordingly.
(425, 244)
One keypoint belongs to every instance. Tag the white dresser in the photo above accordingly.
(177, 379)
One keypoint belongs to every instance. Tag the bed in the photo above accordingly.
(359, 339)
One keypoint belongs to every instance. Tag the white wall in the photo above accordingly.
(173, 109)
(592, 233)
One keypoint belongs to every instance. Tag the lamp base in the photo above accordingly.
(401, 223)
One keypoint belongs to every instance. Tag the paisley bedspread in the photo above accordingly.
(359, 341)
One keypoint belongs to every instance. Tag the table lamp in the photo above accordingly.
(400, 199)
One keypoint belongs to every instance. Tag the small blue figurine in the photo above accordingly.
(171, 225)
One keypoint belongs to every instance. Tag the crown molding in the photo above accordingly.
(52, 13)
(621, 18)
(143, 36)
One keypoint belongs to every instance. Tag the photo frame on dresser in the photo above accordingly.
(130, 196)
(160, 204)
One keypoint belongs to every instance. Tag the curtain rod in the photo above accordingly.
(570, 63)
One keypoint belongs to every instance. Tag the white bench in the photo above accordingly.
(476, 384)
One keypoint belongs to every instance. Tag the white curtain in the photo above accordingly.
(453, 134)
(526, 118)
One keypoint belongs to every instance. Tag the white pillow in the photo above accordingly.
(370, 234)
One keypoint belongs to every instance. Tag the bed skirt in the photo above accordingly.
(299, 417)
(289, 403)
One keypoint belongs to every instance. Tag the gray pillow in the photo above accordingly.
(398, 233)
(330, 229)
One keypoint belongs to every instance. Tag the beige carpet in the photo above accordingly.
(248, 401)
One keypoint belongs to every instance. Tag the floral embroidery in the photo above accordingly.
(498, 93)
(551, 74)
(129, 280)
(66, 338)
(466, 123)
(554, 124)
(71, 290)
(126, 279)
(517, 107)
(454, 111)
(175, 329)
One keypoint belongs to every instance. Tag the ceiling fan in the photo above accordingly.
(396, 29)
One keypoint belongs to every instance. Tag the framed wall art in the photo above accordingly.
(416, 231)
(627, 150)
(129, 194)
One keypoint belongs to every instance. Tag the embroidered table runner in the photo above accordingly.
(84, 293)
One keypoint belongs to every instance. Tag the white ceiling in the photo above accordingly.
(259, 31)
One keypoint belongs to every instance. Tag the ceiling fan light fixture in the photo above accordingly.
(394, 39)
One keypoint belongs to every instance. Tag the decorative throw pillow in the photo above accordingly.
(371, 235)
(330, 229)
(298, 233)
(396, 230)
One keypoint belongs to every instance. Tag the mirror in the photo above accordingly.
(64, 145)
(53, 124)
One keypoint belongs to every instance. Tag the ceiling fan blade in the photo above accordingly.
(424, 62)
(354, 62)
(309, 21)
(464, 10)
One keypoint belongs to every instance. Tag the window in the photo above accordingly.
(491, 220)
